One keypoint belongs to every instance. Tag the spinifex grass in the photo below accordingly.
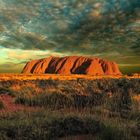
(108, 108)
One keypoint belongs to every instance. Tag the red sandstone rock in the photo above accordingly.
(72, 65)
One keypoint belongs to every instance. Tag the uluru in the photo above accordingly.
(72, 65)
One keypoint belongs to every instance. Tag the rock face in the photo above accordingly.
(72, 65)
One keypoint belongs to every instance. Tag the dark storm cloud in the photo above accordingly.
(107, 29)
(82, 26)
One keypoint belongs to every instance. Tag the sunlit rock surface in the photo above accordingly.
(72, 65)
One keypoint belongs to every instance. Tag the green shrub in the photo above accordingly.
(33, 127)
(53, 100)
(113, 133)
(58, 100)
(4, 90)
(120, 101)
(1, 105)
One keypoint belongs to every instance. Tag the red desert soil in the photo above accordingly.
(10, 106)
(72, 65)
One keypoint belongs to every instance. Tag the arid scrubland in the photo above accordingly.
(106, 108)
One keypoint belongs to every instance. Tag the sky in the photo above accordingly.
(33, 29)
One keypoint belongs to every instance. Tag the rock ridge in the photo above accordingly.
(72, 65)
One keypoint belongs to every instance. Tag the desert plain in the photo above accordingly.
(66, 107)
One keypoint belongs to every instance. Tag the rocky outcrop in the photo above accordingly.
(72, 65)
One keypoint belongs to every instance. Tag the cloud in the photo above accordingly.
(13, 60)
(130, 65)
(17, 55)
(89, 27)
(75, 21)
(11, 68)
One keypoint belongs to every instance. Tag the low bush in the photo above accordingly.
(53, 100)
(1, 105)
(32, 127)
(4, 90)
